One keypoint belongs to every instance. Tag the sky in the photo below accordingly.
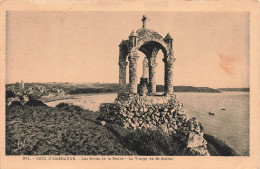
(211, 48)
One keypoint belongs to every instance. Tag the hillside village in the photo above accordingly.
(20, 92)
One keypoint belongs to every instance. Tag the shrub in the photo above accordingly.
(9, 94)
(16, 103)
(69, 107)
(152, 142)
(62, 105)
(34, 102)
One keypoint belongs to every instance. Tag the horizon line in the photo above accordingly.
(118, 83)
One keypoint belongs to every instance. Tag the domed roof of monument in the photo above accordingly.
(144, 32)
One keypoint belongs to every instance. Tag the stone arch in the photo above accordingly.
(148, 46)
(153, 43)
(149, 42)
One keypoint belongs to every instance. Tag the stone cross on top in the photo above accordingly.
(144, 21)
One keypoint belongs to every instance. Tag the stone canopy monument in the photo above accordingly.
(138, 107)
(149, 42)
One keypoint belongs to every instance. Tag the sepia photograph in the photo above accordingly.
(127, 83)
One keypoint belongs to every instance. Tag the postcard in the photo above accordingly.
(129, 84)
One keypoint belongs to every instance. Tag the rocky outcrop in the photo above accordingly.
(22, 99)
(157, 113)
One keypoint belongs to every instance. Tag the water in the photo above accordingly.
(230, 125)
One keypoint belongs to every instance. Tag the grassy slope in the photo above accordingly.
(54, 131)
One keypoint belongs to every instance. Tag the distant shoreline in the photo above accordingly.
(77, 88)
(234, 89)
(75, 96)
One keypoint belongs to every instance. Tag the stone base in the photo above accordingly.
(155, 98)
(164, 113)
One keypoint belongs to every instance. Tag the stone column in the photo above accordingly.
(122, 75)
(132, 72)
(168, 76)
(152, 83)
(123, 52)
(152, 71)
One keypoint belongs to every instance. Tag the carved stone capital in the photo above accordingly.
(133, 56)
(169, 60)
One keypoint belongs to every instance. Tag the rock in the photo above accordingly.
(16, 99)
(142, 124)
(126, 125)
(103, 123)
(136, 124)
(201, 126)
(132, 124)
(202, 151)
(124, 114)
(173, 120)
(171, 129)
(193, 119)
(179, 112)
(128, 120)
(196, 123)
(164, 128)
(164, 113)
(179, 124)
(153, 127)
(212, 114)
(146, 125)
(197, 129)
(25, 98)
(131, 114)
(145, 109)
(166, 121)
(183, 117)
(191, 126)
(152, 116)
(165, 109)
(158, 114)
(157, 118)
(196, 140)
